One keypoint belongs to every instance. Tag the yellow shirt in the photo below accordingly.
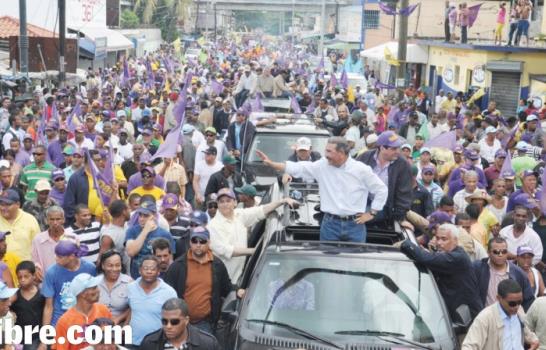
(488, 220)
(157, 192)
(23, 230)
(478, 232)
(12, 260)
(93, 202)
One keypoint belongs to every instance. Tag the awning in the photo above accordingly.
(115, 41)
(415, 53)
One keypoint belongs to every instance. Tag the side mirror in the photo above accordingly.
(463, 319)
(230, 306)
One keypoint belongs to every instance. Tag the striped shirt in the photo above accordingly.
(31, 174)
(90, 236)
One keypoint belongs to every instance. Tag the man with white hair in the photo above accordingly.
(451, 267)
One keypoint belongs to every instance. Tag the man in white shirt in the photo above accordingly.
(438, 101)
(211, 140)
(434, 128)
(80, 141)
(203, 170)
(246, 86)
(344, 186)
(489, 145)
(470, 180)
(519, 234)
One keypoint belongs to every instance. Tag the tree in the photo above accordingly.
(129, 19)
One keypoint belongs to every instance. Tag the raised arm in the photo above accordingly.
(275, 165)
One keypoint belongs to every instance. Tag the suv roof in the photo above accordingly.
(291, 124)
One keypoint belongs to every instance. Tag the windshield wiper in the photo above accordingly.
(369, 332)
(402, 340)
(297, 331)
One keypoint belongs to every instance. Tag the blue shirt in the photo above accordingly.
(238, 136)
(146, 249)
(146, 308)
(56, 282)
(511, 336)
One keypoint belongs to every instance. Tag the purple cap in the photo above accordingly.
(147, 131)
(78, 151)
(526, 173)
(28, 137)
(9, 196)
(389, 139)
(225, 192)
(157, 126)
(438, 218)
(147, 207)
(458, 149)
(198, 217)
(471, 154)
(508, 174)
(524, 249)
(148, 169)
(56, 174)
(523, 199)
(428, 169)
(500, 154)
(67, 247)
(200, 232)
(170, 201)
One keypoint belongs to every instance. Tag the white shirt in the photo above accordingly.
(86, 143)
(226, 235)
(205, 171)
(460, 200)
(221, 151)
(197, 138)
(125, 151)
(370, 117)
(529, 238)
(434, 131)
(438, 101)
(488, 152)
(344, 190)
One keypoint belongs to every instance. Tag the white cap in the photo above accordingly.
(4, 163)
(121, 113)
(42, 185)
(531, 118)
(372, 138)
(303, 143)
(490, 130)
(522, 146)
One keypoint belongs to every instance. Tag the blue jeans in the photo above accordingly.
(333, 229)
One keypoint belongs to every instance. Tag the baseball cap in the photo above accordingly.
(121, 113)
(78, 151)
(524, 200)
(229, 159)
(57, 173)
(471, 154)
(64, 127)
(67, 247)
(526, 173)
(28, 137)
(68, 150)
(6, 292)
(147, 131)
(490, 130)
(211, 129)
(428, 169)
(147, 208)
(170, 201)
(42, 185)
(501, 154)
(524, 249)
(225, 192)
(522, 146)
(406, 145)
(458, 149)
(438, 218)
(389, 139)
(303, 143)
(148, 169)
(247, 189)
(425, 149)
(123, 131)
(82, 282)
(372, 138)
(146, 112)
(9, 196)
(508, 174)
(200, 232)
(531, 118)
(211, 150)
(197, 217)
(157, 126)
(187, 129)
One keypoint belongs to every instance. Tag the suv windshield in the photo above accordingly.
(280, 146)
(331, 298)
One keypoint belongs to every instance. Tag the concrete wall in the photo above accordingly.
(146, 39)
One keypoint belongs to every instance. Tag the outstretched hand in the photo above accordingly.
(263, 156)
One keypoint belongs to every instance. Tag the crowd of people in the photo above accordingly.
(170, 242)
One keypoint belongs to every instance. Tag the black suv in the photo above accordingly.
(302, 293)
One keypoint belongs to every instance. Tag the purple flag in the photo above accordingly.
(380, 85)
(256, 104)
(406, 11)
(320, 65)
(70, 119)
(473, 14)
(41, 127)
(507, 165)
(333, 80)
(311, 107)
(445, 140)
(387, 9)
(216, 87)
(151, 77)
(294, 105)
(168, 148)
(125, 78)
(507, 138)
(542, 197)
(344, 81)
(180, 106)
(102, 180)
(55, 113)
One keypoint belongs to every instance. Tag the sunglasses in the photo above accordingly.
(59, 179)
(196, 240)
(146, 176)
(514, 303)
(500, 252)
(172, 321)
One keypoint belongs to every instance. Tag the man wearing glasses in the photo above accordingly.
(148, 187)
(496, 268)
(211, 141)
(39, 169)
(201, 279)
(501, 325)
(177, 332)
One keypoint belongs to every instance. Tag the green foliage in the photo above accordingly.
(129, 19)
(267, 21)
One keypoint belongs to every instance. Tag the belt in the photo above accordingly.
(342, 218)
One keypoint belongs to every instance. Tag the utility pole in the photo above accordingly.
(23, 38)
(215, 24)
(62, 39)
(322, 27)
(402, 47)
(362, 25)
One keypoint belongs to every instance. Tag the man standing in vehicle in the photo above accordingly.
(452, 269)
(344, 186)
